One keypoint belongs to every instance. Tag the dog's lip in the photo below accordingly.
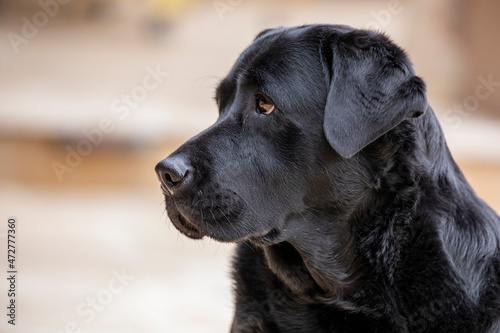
(165, 190)
(181, 222)
(187, 227)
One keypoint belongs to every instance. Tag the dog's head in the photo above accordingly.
(296, 112)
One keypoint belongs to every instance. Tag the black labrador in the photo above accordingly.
(329, 169)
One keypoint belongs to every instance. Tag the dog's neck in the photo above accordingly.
(336, 252)
(314, 259)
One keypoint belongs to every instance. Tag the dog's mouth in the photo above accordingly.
(180, 221)
(219, 222)
(186, 227)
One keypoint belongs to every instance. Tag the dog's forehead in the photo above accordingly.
(278, 54)
(278, 62)
(282, 51)
(268, 59)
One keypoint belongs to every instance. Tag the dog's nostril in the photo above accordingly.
(168, 179)
(175, 177)
(172, 172)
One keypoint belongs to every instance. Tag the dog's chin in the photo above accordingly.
(218, 230)
(189, 229)
(272, 237)
(263, 238)
(185, 226)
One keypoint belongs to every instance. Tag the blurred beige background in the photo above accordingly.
(94, 92)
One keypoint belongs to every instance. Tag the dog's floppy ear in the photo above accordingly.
(372, 89)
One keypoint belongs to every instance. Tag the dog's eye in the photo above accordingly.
(264, 105)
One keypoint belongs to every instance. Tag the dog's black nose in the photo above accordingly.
(173, 172)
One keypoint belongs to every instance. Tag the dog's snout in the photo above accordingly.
(173, 172)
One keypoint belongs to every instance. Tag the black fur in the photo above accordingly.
(349, 212)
